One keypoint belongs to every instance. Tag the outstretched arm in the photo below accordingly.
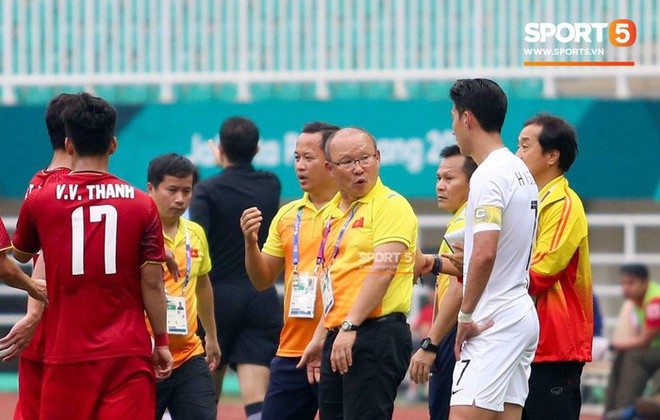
(479, 269)
(22, 332)
(13, 276)
(153, 298)
(445, 319)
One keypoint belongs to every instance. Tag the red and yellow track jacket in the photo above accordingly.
(560, 276)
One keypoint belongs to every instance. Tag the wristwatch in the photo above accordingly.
(426, 345)
(347, 325)
(437, 265)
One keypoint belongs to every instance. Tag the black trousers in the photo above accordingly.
(289, 395)
(189, 393)
(381, 355)
(554, 391)
(441, 380)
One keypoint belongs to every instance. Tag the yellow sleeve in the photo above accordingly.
(562, 227)
(273, 245)
(394, 221)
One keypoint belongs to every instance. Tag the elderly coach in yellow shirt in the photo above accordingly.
(366, 283)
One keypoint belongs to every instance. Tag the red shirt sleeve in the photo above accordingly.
(26, 238)
(5, 243)
(653, 313)
(152, 244)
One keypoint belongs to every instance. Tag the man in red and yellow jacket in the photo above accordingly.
(560, 273)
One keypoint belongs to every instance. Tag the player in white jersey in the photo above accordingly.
(497, 326)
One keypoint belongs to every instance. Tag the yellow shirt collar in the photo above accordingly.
(553, 191)
(458, 212)
(180, 233)
(306, 202)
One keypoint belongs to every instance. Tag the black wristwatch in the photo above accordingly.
(437, 265)
(347, 325)
(426, 345)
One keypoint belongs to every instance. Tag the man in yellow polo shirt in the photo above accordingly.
(190, 391)
(436, 353)
(293, 246)
(366, 283)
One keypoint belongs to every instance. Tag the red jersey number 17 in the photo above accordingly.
(96, 214)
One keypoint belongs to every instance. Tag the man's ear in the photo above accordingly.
(113, 146)
(68, 146)
(469, 119)
(328, 168)
(553, 157)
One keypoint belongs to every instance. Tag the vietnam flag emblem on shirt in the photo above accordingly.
(358, 223)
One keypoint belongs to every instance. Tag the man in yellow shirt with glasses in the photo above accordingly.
(368, 255)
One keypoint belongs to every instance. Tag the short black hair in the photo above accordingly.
(558, 135)
(484, 98)
(469, 165)
(239, 137)
(54, 123)
(89, 122)
(325, 129)
(639, 271)
(171, 164)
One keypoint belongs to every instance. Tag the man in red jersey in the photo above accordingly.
(102, 243)
(26, 337)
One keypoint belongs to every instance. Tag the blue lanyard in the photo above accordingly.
(320, 260)
(296, 237)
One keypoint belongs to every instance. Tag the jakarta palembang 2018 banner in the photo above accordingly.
(614, 161)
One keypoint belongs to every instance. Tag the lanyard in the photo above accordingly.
(188, 262)
(188, 259)
(320, 259)
(296, 237)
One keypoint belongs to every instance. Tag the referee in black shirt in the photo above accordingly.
(248, 322)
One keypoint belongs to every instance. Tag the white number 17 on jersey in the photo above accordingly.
(78, 237)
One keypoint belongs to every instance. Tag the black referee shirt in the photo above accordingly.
(217, 205)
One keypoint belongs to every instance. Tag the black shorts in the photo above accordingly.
(248, 323)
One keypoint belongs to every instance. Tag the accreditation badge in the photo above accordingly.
(177, 319)
(303, 295)
(326, 291)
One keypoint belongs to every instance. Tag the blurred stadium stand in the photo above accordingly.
(187, 50)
